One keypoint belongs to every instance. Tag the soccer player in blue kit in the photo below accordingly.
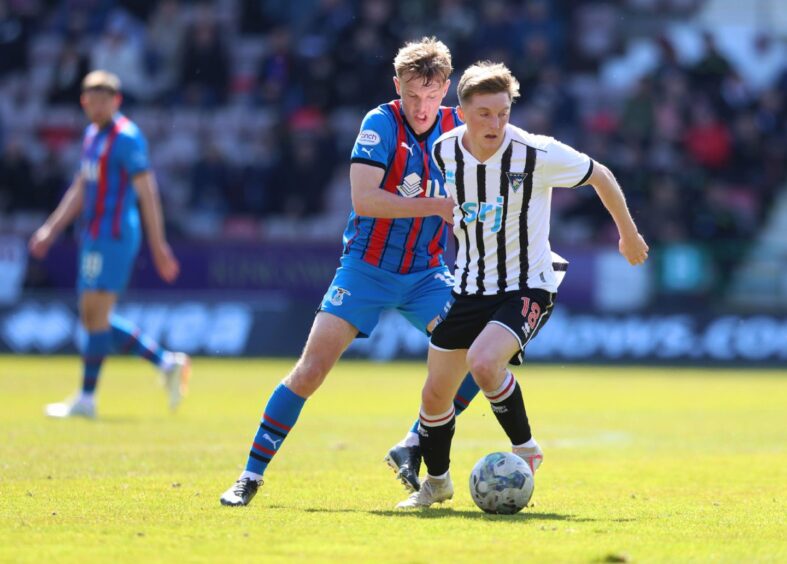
(392, 255)
(114, 159)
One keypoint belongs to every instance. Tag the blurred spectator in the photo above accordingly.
(206, 66)
(118, 52)
(17, 190)
(278, 73)
(595, 35)
(14, 38)
(210, 181)
(497, 35)
(711, 69)
(708, 139)
(70, 68)
(364, 56)
(166, 34)
(301, 177)
(636, 120)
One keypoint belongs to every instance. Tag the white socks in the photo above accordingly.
(529, 444)
(410, 440)
(252, 475)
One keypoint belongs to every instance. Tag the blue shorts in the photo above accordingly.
(360, 292)
(106, 264)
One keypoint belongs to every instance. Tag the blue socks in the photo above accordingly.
(121, 337)
(127, 338)
(280, 415)
(467, 391)
(98, 346)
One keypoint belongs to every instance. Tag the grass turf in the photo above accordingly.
(641, 464)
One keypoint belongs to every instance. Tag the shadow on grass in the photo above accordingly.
(447, 513)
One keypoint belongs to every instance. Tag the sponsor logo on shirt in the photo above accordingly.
(484, 212)
(411, 186)
(368, 137)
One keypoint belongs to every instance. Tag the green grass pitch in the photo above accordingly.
(641, 464)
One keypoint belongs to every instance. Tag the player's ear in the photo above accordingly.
(461, 113)
(397, 85)
(446, 86)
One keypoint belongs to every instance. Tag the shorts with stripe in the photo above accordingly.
(522, 312)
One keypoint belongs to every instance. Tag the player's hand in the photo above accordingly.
(40, 242)
(167, 265)
(634, 249)
(446, 209)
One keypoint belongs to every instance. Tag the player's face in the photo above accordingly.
(486, 116)
(420, 101)
(100, 105)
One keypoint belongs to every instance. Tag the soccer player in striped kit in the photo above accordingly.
(392, 255)
(113, 183)
(501, 179)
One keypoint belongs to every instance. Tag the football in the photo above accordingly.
(501, 483)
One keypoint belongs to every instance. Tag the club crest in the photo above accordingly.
(337, 296)
(515, 179)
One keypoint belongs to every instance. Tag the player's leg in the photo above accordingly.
(427, 305)
(329, 338)
(437, 423)
(94, 308)
(175, 367)
(350, 308)
(513, 325)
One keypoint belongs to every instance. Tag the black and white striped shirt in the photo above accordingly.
(501, 218)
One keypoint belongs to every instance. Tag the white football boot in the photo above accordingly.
(433, 490)
(241, 492)
(176, 379)
(78, 406)
(532, 455)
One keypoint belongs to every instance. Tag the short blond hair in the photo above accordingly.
(101, 80)
(486, 77)
(428, 59)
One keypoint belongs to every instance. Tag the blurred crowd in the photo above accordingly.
(251, 106)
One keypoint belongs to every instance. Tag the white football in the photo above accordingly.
(501, 483)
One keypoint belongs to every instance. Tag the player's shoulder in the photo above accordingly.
(384, 113)
(541, 142)
(128, 131)
(378, 123)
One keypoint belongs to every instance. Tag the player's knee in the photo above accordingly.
(308, 375)
(93, 319)
(483, 367)
(434, 400)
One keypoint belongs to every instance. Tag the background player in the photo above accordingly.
(501, 179)
(392, 256)
(114, 155)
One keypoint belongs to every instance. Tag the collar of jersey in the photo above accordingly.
(495, 156)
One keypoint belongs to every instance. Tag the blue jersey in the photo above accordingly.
(111, 156)
(386, 141)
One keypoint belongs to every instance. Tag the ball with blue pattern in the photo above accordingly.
(501, 483)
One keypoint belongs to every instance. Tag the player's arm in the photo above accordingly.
(64, 215)
(631, 245)
(152, 218)
(370, 201)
